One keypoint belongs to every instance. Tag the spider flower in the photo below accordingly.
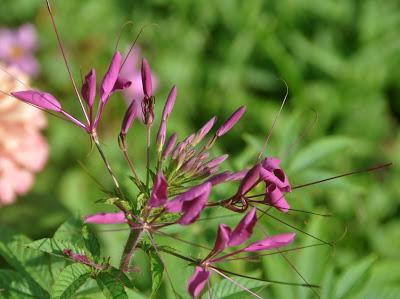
(227, 238)
(17, 48)
(23, 149)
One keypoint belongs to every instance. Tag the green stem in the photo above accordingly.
(130, 246)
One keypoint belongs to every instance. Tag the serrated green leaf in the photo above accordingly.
(353, 277)
(70, 280)
(226, 289)
(76, 232)
(29, 263)
(13, 285)
(321, 149)
(157, 271)
(54, 246)
(111, 285)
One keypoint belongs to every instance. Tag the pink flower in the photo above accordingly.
(17, 48)
(106, 218)
(227, 238)
(23, 149)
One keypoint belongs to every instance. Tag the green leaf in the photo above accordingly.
(321, 149)
(227, 289)
(14, 285)
(75, 231)
(157, 271)
(29, 263)
(353, 277)
(54, 246)
(70, 280)
(111, 285)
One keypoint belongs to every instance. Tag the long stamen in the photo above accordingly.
(266, 280)
(66, 61)
(292, 226)
(273, 124)
(344, 175)
(182, 240)
(289, 262)
(126, 24)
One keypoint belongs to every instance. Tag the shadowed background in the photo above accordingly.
(341, 62)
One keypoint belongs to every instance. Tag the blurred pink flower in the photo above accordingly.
(17, 48)
(23, 150)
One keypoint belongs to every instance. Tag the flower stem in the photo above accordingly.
(130, 246)
(148, 156)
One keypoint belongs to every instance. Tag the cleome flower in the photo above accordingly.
(227, 238)
(23, 149)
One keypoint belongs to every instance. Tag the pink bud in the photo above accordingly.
(217, 161)
(162, 132)
(129, 117)
(159, 195)
(204, 130)
(170, 145)
(169, 105)
(146, 79)
(198, 281)
(232, 120)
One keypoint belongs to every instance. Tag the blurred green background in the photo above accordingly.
(340, 60)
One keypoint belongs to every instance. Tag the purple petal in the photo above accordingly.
(271, 163)
(204, 130)
(250, 180)
(274, 197)
(129, 117)
(227, 176)
(271, 242)
(146, 79)
(170, 145)
(169, 105)
(159, 195)
(244, 229)
(217, 161)
(89, 88)
(277, 178)
(198, 281)
(121, 84)
(38, 98)
(106, 218)
(110, 78)
(232, 120)
(223, 235)
(190, 203)
(192, 209)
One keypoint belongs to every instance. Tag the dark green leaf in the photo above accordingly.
(70, 280)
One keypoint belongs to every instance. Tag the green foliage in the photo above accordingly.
(228, 290)
(70, 280)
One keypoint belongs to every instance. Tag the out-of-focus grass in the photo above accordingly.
(340, 60)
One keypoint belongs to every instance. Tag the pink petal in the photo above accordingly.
(217, 161)
(250, 180)
(274, 197)
(89, 88)
(204, 130)
(244, 229)
(223, 235)
(110, 78)
(161, 135)
(159, 195)
(198, 281)
(38, 98)
(232, 120)
(271, 242)
(106, 218)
